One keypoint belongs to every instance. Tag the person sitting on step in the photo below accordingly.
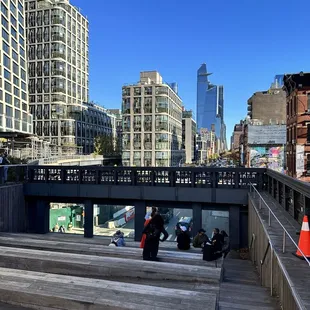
(184, 239)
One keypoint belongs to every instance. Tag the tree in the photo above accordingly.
(106, 145)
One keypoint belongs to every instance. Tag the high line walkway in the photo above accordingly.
(56, 266)
(280, 270)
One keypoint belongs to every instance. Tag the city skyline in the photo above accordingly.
(244, 55)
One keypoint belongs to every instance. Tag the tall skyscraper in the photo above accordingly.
(210, 106)
(152, 123)
(14, 115)
(58, 70)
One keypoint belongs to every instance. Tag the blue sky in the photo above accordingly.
(245, 43)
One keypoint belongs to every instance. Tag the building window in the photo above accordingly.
(20, 7)
(308, 102)
(4, 22)
(308, 133)
(6, 61)
(8, 98)
(308, 164)
(16, 91)
(7, 74)
(148, 90)
(8, 86)
(14, 21)
(13, 8)
(20, 18)
(4, 10)
(15, 80)
(148, 104)
(5, 35)
(14, 33)
(15, 56)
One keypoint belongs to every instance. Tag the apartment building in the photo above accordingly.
(58, 70)
(189, 132)
(297, 88)
(118, 127)
(268, 107)
(14, 109)
(93, 121)
(152, 123)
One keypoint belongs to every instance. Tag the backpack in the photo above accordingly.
(152, 233)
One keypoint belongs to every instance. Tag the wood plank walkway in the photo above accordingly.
(241, 288)
(298, 270)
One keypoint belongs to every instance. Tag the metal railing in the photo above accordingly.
(271, 214)
(13, 173)
(234, 178)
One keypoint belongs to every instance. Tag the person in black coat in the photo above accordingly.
(153, 230)
(217, 240)
(183, 239)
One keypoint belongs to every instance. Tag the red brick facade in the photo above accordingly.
(298, 118)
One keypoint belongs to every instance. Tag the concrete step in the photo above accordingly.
(241, 288)
(99, 267)
(49, 291)
(180, 257)
(98, 240)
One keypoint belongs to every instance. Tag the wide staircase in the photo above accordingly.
(69, 272)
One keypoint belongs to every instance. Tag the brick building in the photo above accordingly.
(297, 88)
(268, 107)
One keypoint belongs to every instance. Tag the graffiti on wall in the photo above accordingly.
(267, 157)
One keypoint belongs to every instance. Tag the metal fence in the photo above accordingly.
(168, 176)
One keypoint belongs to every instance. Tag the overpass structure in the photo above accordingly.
(265, 207)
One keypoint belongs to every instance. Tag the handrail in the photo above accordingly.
(252, 241)
(262, 263)
(265, 254)
(285, 232)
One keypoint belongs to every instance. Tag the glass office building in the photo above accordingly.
(209, 103)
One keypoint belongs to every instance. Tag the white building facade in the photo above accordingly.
(58, 70)
(152, 123)
(14, 108)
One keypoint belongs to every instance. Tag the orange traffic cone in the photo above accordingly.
(304, 239)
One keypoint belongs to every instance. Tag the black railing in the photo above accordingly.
(293, 195)
(134, 176)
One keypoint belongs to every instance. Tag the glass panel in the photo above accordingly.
(215, 219)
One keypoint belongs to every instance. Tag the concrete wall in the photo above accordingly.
(12, 208)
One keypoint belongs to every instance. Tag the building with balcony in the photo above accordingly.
(152, 123)
(189, 132)
(58, 70)
(297, 88)
(14, 109)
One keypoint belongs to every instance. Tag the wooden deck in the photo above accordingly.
(297, 269)
(84, 248)
(241, 288)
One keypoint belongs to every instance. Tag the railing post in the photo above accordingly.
(269, 218)
(271, 271)
(1, 175)
(260, 203)
(284, 242)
